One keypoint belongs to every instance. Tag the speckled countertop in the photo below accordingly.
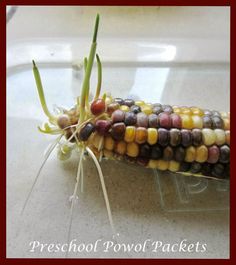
(180, 55)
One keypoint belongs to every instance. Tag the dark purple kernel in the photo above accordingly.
(153, 121)
(186, 137)
(156, 152)
(118, 130)
(167, 108)
(103, 126)
(163, 137)
(217, 122)
(197, 137)
(213, 154)
(218, 170)
(206, 169)
(195, 167)
(164, 120)
(86, 131)
(130, 118)
(119, 101)
(168, 153)
(184, 166)
(118, 116)
(143, 161)
(145, 151)
(157, 109)
(175, 137)
(142, 120)
(207, 122)
(135, 109)
(179, 154)
(128, 102)
(224, 154)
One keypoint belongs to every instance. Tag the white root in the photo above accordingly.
(103, 188)
(52, 147)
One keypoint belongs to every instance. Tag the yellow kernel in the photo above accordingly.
(107, 153)
(162, 164)
(152, 136)
(220, 136)
(227, 136)
(152, 163)
(174, 166)
(187, 122)
(141, 135)
(139, 103)
(197, 111)
(129, 134)
(208, 136)
(108, 100)
(185, 110)
(190, 154)
(226, 123)
(197, 121)
(96, 140)
(177, 110)
(120, 147)
(109, 143)
(132, 149)
(201, 154)
(146, 109)
(224, 114)
(124, 108)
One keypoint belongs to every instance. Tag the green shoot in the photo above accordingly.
(99, 84)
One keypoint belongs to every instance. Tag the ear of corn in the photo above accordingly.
(179, 139)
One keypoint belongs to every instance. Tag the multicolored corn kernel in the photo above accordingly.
(118, 116)
(213, 154)
(217, 170)
(132, 149)
(206, 169)
(208, 136)
(97, 140)
(197, 137)
(157, 109)
(156, 152)
(227, 137)
(184, 166)
(167, 109)
(175, 137)
(145, 150)
(143, 161)
(224, 154)
(174, 166)
(197, 111)
(220, 136)
(124, 108)
(128, 102)
(162, 164)
(201, 154)
(118, 130)
(168, 153)
(197, 121)
(186, 137)
(112, 107)
(217, 122)
(226, 123)
(142, 120)
(102, 126)
(207, 122)
(98, 106)
(163, 137)
(120, 101)
(164, 120)
(152, 136)
(135, 109)
(215, 113)
(130, 118)
(152, 163)
(186, 110)
(195, 167)
(86, 131)
(130, 134)
(152, 121)
(190, 155)
(176, 121)
(139, 102)
(207, 112)
(141, 135)
(109, 143)
(177, 110)
(120, 147)
(179, 154)
(187, 122)
(146, 109)
(63, 121)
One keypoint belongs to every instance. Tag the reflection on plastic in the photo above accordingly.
(180, 193)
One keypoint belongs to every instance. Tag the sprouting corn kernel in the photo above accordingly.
(109, 143)
(129, 134)
(139, 103)
(120, 147)
(153, 163)
(162, 164)
(124, 108)
(174, 166)
(208, 136)
(152, 136)
(107, 153)
(190, 154)
(187, 122)
(141, 135)
(201, 154)
(147, 109)
(197, 121)
(220, 136)
(226, 123)
(185, 110)
(132, 149)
